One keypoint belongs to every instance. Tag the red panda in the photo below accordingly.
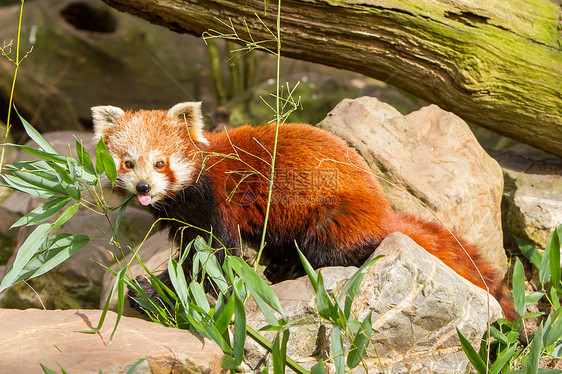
(322, 197)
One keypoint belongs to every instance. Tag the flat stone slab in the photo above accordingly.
(32, 337)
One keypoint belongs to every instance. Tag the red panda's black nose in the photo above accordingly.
(143, 187)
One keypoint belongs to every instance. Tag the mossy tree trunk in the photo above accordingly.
(496, 63)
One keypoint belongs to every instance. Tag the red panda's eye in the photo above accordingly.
(129, 165)
(159, 165)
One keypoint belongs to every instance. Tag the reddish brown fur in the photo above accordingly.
(350, 225)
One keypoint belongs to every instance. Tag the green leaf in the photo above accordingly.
(36, 136)
(530, 252)
(211, 332)
(535, 351)
(66, 215)
(239, 328)
(117, 284)
(104, 162)
(40, 154)
(308, 268)
(553, 246)
(319, 368)
(471, 353)
(224, 316)
(352, 287)
(21, 185)
(197, 293)
(46, 370)
(533, 298)
(360, 343)
(132, 368)
(43, 183)
(555, 332)
(324, 304)
(57, 252)
(177, 278)
(498, 335)
(257, 286)
(85, 168)
(502, 359)
(337, 350)
(119, 217)
(544, 269)
(62, 173)
(279, 353)
(25, 253)
(519, 288)
(42, 212)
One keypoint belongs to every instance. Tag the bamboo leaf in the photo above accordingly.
(21, 185)
(24, 255)
(535, 351)
(66, 215)
(308, 268)
(39, 153)
(43, 183)
(36, 136)
(319, 368)
(554, 248)
(257, 286)
(42, 212)
(116, 285)
(132, 368)
(239, 328)
(323, 302)
(530, 252)
(279, 353)
(352, 287)
(224, 316)
(120, 214)
(105, 162)
(502, 359)
(471, 353)
(58, 252)
(360, 343)
(177, 277)
(337, 350)
(519, 288)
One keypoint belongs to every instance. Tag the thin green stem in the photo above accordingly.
(269, 347)
(277, 123)
(17, 63)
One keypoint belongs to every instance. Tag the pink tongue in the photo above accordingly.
(144, 199)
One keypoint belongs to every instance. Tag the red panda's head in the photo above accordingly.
(156, 152)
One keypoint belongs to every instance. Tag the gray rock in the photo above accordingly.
(432, 155)
(416, 302)
(53, 338)
(533, 193)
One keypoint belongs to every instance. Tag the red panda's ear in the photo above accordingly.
(189, 114)
(104, 117)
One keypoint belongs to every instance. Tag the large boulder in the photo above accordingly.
(31, 338)
(532, 198)
(428, 160)
(416, 303)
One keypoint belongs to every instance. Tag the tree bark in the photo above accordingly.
(495, 63)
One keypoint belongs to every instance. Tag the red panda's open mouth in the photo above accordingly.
(144, 199)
